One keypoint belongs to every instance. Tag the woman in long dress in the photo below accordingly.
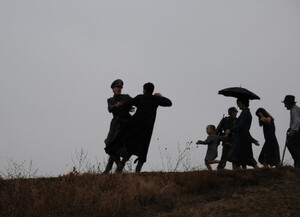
(241, 153)
(269, 155)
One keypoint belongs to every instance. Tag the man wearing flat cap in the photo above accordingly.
(293, 139)
(120, 116)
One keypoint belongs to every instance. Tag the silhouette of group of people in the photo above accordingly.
(131, 134)
(234, 133)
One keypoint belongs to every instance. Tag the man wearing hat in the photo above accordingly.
(120, 116)
(225, 124)
(293, 135)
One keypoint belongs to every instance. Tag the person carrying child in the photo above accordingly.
(212, 142)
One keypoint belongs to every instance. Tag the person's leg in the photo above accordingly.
(222, 163)
(235, 166)
(208, 166)
(139, 167)
(293, 146)
(121, 164)
(255, 166)
(109, 164)
(265, 166)
(214, 161)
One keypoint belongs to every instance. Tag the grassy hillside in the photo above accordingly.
(263, 192)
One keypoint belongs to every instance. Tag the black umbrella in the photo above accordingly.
(238, 92)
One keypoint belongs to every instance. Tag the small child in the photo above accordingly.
(212, 142)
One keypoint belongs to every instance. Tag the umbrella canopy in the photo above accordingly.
(238, 92)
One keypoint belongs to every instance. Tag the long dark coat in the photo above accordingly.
(120, 114)
(270, 152)
(136, 134)
(241, 151)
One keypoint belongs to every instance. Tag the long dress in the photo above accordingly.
(270, 151)
(241, 151)
(135, 135)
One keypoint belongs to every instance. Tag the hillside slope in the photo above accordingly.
(263, 192)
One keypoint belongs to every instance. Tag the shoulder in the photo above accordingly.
(110, 99)
(125, 96)
(246, 111)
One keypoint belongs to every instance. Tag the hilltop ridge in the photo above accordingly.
(262, 192)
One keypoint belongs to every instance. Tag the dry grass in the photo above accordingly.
(263, 192)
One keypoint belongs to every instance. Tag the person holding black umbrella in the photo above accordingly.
(241, 153)
(293, 135)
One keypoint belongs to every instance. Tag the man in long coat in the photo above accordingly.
(136, 134)
(120, 114)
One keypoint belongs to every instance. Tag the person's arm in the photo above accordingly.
(163, 101)
(254, 141)
(201, 142)
(295, 119)
(112, 107)
(265, 120)
(208, 140)
(131, 102)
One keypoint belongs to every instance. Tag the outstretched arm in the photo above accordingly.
(163, 101)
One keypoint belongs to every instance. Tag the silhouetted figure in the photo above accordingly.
(293, 136)
(120, 117)
(269, 155)
(225, 124)
(135, 136)
(241, 153)
(212, 142)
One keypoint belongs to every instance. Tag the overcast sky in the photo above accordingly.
(59, 58)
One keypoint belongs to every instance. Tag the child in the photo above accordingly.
(212, 149)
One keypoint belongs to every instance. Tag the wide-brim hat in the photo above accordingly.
(289, 99)
(117, 83)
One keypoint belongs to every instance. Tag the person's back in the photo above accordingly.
(212, 142)
(147, 105)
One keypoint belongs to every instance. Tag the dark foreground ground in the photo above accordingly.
(263, 192)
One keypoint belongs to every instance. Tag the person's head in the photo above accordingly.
(289, 101)
(210, 129)
(242, 103)
(263, 112)
(232, 112)
(117, 86)
(148, 88)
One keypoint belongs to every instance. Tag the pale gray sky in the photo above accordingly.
(58, 59)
